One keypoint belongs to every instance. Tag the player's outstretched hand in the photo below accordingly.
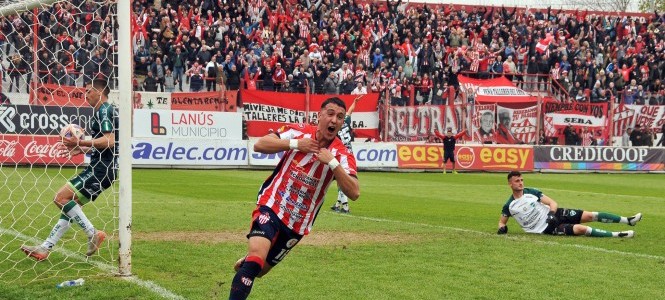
(502, 230)
(308, 145)
(325, 156)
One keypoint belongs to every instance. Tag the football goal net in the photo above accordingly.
(65, 210)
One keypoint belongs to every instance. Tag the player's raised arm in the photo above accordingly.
(438, 134)
(353, 105)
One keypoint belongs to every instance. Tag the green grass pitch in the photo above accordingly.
(409, 236)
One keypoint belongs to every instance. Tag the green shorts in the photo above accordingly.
(92, 181)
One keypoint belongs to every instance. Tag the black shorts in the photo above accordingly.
(448, 155)
(567, 218)
(93, 181)
(265, 223)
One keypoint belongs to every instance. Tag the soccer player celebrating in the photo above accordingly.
(290, 199)
(537, 213)
(95, 178)
(449, 141)
(345, 134)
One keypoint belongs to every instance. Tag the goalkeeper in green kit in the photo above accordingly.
(537, 213)
(95, 178)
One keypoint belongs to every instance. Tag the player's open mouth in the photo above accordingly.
(331, 129)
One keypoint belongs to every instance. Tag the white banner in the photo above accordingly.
(577, 120)
(152, 100)
(368, 155)
(375, 155)
(187, 124)
(200, 152)
(260, 159)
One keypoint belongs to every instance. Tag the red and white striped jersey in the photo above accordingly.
(296, 189)
(304, 29)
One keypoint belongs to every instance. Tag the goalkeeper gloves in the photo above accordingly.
(503, 230)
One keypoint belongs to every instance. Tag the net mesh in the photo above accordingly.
(49, 51)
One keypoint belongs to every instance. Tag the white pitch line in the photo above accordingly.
(524, 239)
(155, 288)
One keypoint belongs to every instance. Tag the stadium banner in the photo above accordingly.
(375, 155)
(483, 120)
(418, 123)
(187, 124)
(194, 152)
(59, 95)
(34, 150)
(599, 158)
(261, 159)
(41, 120)
(647, 116)
(364, 119)
(368, 155)
(201, 101)
(517, 126)
(265, 111)
(558, 115)
(495, 90)
(152, 100)
(467, 157)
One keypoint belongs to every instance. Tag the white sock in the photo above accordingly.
(624, 220)
(594, 216)
(58, 231)
(77, 215)
(588, 231)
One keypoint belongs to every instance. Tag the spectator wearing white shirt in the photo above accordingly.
(360, 89)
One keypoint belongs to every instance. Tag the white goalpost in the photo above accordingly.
(51, 50)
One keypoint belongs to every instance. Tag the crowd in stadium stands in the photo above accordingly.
(348, 47)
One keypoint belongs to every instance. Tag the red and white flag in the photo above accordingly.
(543, 45)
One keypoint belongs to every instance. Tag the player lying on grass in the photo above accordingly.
(537, 213)
(290, 199)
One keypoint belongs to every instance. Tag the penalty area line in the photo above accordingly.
(522, 239)
(153, 287)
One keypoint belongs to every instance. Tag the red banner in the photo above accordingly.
(467, 157)
(33, 149)
(418, 123)
(270, 110)
(205, 101)
(59, 95)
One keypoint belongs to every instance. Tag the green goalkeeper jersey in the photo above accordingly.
(104, 120)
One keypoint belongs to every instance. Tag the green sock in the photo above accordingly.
(600, 233)
(604, 217)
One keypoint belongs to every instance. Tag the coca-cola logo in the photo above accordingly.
(8, 148)
(33, 149)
